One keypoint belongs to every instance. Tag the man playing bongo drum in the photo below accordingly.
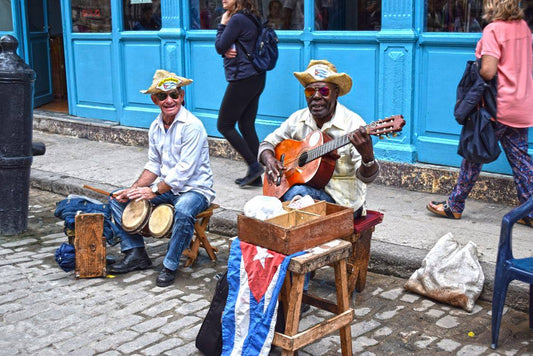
(178, 172)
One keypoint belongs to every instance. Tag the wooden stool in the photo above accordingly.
(360, 239)
(333, 253)
(200, 237)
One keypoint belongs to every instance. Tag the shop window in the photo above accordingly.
(334, 15)
(6, 22)
(91, 15)
(454, 16)
(142, 15)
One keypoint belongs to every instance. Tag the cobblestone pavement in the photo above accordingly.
(46, 311)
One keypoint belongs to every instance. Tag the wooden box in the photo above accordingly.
(89, 243)
(298, 230)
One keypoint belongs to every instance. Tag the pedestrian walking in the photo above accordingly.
(236, 37)
(505, 51)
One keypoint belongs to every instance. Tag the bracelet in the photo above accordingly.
(368, 164)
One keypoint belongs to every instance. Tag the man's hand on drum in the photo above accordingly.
(134, 193)
(140, 193)
(121, 195)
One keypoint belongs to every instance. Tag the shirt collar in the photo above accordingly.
(337, 120)
(180, 116)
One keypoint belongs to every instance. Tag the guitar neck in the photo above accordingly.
(326, 148)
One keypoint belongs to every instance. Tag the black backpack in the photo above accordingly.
(209, 338)
(265, 53)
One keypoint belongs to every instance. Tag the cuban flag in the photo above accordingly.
(255, 278)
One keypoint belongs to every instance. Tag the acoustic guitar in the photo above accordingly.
(306, 162)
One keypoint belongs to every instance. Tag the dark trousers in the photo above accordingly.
(239, 105)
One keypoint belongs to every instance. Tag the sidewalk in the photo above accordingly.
(399, 244)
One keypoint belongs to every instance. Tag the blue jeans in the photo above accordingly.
(303, 190)
(186, 206)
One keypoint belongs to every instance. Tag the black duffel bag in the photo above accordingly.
(478, 142)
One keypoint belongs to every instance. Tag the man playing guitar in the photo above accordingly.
(354, 165)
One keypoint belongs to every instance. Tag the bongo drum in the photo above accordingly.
(160, 223)
(135, 217)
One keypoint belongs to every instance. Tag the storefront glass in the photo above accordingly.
(462, 15)
(91, 15)
(6, 22)
(142, 15)
(289, 14)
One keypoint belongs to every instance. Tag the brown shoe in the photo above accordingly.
(526, 221)
(442, 209)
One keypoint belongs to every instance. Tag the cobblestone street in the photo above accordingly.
(46, 311)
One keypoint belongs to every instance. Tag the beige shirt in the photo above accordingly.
(344, 187)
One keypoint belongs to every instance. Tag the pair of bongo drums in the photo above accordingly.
(141, 217)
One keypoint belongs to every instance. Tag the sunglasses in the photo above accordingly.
(311, 91)
(163, 96)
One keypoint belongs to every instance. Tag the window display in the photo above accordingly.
(289, 14)
(91, 15)
(142, 15)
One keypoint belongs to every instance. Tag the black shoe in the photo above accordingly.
(134, 259)
(166, 277)
(256, 183)
(254, 172)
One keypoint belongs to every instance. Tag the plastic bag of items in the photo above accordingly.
(263, 207)
(450, 274)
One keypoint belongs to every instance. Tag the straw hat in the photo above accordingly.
(166, 81)
(323, 71)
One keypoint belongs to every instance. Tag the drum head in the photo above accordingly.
(136, 215)
(160, 224)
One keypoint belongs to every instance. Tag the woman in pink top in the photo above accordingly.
(505, 50)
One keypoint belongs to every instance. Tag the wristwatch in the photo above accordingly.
(155, 189)
(368, 164)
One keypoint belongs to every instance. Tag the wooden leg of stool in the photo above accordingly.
(362, 248)
(192, 252)
(341, 284)
(292, 318)
(202, 236)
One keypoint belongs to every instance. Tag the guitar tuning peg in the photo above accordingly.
(380, 137)
(394, 134)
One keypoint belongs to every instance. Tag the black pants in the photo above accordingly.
(239, 105)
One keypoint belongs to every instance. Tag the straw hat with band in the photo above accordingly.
(323, 71)
(164, 81)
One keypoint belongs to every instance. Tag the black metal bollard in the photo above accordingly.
(16, 148)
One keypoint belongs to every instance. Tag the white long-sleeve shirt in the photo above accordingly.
(180, 156)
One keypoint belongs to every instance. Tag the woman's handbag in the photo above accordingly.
(474, 109)
(478, 142)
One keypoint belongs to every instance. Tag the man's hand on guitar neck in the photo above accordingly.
(363, 144)
(274, 168)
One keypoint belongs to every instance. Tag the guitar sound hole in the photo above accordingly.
(303, 159)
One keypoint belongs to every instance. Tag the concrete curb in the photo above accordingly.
(385, 258)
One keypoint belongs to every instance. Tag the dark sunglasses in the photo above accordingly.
(311, 91)
(162, 96)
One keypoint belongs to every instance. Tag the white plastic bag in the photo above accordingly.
(450, 274)
(262, 207)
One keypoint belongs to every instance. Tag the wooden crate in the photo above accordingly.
(90, 247)
(298, 230)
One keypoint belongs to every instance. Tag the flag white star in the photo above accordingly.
(262, 255)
